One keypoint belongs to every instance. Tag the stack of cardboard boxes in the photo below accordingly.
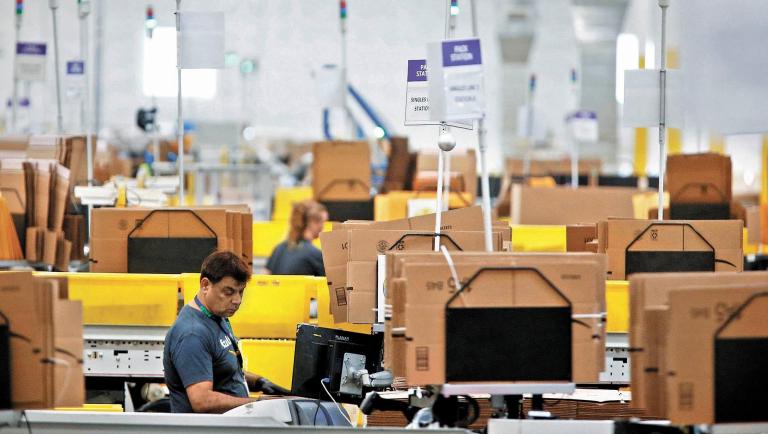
(36, 191)
(351, 249)
(698, 352)
(37, 177)
(167, 240)
(46, 344)
(420, 284)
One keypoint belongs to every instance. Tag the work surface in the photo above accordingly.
(43, 421)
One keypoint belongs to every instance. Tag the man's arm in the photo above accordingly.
(204, 400)
(257, 383)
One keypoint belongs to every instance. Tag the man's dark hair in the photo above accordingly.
(219, 265)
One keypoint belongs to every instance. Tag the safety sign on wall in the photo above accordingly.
(417, 107)
(30, 61)
(456, 80)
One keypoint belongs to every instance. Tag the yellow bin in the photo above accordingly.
(125, 299)
(269, 358)
(617, 300)
(530, 238)
(285, 197)
(272, 307)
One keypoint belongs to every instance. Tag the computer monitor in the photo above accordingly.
(325, 358)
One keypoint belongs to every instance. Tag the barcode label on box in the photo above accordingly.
(341, 296)
(422, 358)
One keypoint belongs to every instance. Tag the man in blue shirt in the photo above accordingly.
(202, 361)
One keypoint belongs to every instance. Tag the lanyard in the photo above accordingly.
(226, 328)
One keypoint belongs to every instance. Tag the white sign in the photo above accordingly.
(30, 61)
(417, 111)
(642, 96)
(456, 80)
(75, 80)
(330, 86)
(582, 126)
(202, 40)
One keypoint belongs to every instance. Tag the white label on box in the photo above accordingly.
(417, 111)
(456, 80)
(30, 61)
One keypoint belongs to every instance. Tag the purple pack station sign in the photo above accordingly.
(31, 48)
(417, 70)
(461, 53)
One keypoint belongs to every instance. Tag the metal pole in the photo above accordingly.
(574, 143)
(15, 98)
(529, 128)
(450, 29)
(54, 5)
(85, 104)
(439, 197)
(180, 124)
(82, 15)
(485, 186)
(349, 125)
(663, 4)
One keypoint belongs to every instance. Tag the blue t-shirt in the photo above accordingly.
(197, 348)
(302, 259)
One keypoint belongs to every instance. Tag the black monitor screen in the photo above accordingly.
(319, 357)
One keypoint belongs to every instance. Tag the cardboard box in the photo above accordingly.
(247, 229)
(695, 316)
(419, 284)
(400, 166)
(69, 381)
(74, 232)
(650, 291)
(753, 224)
(14, 190)
(111, 227)
(42, 194)
(514, 167)
(341, 171)
(578, 236)
(465, 164)
(28, 304)
(13, 147)
(699, 178)
(675, 245)
(58, 197)
(565, 205)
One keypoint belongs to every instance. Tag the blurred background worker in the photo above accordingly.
(297, 255)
